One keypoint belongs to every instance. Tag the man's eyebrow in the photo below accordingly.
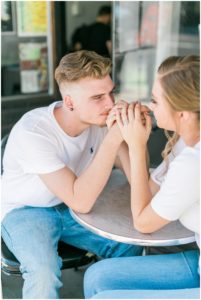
(99, 95)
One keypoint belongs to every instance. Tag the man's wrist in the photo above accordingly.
(113, 140)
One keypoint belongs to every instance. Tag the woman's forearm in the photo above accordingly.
(140, 191)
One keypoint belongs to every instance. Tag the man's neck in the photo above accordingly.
(68, 122)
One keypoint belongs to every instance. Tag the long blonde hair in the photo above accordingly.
(180, 80)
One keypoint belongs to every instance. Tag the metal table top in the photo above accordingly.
(111, 218)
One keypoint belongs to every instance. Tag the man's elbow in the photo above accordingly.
(82, 210)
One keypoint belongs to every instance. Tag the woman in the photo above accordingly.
(172, 191)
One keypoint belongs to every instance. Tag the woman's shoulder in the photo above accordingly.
(188, 160)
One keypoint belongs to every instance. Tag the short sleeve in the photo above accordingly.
(180, 189)
(38, 153)
(159, 173)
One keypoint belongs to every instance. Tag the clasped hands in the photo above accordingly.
(133, 120)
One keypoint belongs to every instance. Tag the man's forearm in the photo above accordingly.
(124, 160)
(91, 182)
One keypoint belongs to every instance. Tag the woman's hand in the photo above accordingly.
(111, 119)
(135, 125)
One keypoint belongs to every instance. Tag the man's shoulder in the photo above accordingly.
(36, 119)
(34, 124)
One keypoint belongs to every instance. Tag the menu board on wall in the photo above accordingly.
(32, 18)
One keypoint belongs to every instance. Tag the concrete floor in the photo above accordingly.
(72, 285)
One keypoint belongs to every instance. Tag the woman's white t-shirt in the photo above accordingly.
(179, 194)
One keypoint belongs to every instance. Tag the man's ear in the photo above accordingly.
(185, 115)
(68, 102)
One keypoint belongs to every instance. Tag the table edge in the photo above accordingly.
(127, 240)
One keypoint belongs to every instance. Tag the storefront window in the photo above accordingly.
(145, 33)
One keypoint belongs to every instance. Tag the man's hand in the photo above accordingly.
(135, 126)
(111, 119)
(123, 106)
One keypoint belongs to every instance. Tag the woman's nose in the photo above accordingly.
(150, 105)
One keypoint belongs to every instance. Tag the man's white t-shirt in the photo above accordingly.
(38, 145)
(179, 194)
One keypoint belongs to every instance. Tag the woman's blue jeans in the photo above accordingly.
(193, 293)
(151, 272)
(32, 234)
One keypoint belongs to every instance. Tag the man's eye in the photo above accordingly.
(113, 92)
(153, 101)
(97, 98)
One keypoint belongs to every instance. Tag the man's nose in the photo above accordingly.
(109, 102)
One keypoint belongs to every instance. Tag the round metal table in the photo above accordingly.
(111, 218)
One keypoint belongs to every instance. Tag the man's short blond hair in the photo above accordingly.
(81, 64)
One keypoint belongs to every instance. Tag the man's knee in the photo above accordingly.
(43, 278)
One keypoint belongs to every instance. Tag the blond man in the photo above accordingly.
(59, 157)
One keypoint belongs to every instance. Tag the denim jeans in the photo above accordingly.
(193, 293)
(32, 234)
(151, 272)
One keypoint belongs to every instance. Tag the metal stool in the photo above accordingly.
(72, 257)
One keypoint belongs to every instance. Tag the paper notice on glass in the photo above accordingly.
(33, 67)
(30, 81)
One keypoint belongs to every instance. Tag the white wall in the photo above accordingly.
(80, 12)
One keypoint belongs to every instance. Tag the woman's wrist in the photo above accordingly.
(137, 149)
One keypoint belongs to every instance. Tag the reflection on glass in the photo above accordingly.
(148, 24)
(6, 16)
(146, 32)
(128, 26)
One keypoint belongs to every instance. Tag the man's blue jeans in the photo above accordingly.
(32, 234)
(151, 272)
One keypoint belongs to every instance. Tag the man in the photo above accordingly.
(60, 157)
(96, 36)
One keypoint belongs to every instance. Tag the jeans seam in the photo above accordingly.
(59, 213)
(187, 264)
(8, 236)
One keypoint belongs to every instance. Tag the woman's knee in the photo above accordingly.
(96, 279)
